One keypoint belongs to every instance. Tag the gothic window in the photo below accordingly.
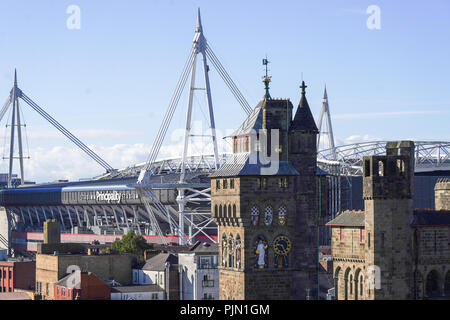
(268, 215)
(282, 212)
(229, 211)
(225, 210)
(231, 183)
(231, 252)
(217, 184)
(234, 211)
(238, 252)
(225, 183)
(224, 251)
(261, 252)
(220, 210)
(254, 212)
(215, 210)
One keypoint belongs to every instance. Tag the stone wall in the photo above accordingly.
(442, 194)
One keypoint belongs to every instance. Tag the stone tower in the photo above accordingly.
(265, 252)
(388, 199)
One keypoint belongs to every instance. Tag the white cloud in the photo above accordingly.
(372, 115)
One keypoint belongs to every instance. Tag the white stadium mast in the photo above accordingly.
(188, 193)
(325, 112)
(13, 99)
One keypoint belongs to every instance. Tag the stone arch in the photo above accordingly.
(337, 282)
(346, 283)
(358, 284)
(447, 284)
(433, 284)
(230, 213)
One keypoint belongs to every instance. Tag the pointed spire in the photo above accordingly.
(303, 120)
(199, 22)
(15, 78)
(325, 96)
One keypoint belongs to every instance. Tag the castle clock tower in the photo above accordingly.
(257, 201)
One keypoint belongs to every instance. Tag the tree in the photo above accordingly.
(131, 243)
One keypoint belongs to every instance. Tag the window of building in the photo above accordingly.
(362, 235)
(342, 234)
(262, 183)
(231, 183)
(217, 184)
(368, 240)
(47, 289)
(57, 290)
(63, 290)
(225, 183)
(9, 274)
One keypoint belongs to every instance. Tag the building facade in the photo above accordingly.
(199, 275)
(390, 250)
(264, 200)
(17, 275)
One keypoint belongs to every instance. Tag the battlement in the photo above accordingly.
(390, 176)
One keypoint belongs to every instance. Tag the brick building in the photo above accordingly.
(264, 200)
(81, 286)
(390, 250)
(55, 260)
(17, 275)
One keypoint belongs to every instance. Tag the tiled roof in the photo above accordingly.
(14, 296)
(75, 279)
(253, 122)
(430, 217)
(158, 262)
(349, 219)
(141, 288)
(239, 165)
(205, 247)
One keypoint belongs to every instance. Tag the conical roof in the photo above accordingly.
(303, 119)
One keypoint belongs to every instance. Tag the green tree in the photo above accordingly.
(131, 243)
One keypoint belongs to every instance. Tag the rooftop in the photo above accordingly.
(349, 219)
(158, 262)
(141, 288)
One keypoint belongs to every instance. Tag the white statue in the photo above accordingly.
(261, 251)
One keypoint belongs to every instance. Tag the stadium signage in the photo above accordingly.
(109, 197)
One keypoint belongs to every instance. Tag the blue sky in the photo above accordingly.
(111, 81)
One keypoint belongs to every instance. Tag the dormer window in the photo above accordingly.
(217, 184)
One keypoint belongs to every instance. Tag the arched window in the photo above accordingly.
(225, 210)
(447, 284)
(234, 211)
(229, 211)
(220, 211)
(254, 212)
(216, 211)
(351, 284)
(361, 286)
(231, 252)
(282, 213)
(268, 215)
(433, 284)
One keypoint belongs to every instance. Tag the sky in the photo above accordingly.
(110, 81)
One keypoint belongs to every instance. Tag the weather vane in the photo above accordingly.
(266, 78)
